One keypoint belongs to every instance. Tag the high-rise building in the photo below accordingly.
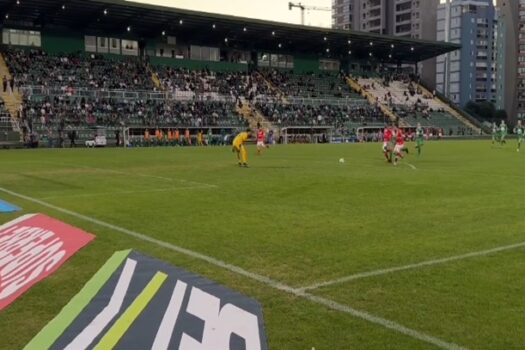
(468, 74)
(511, 58)
(404, 18)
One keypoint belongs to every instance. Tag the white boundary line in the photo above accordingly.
(115, 193)
(147, 176)
(114, 171)
(413, 266)
(254, 276)
(412, 166)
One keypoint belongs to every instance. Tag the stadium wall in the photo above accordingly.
(305, 64)
(55, 43)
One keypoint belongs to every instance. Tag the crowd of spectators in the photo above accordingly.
(79, 112)
(282, 114)
(230, 84)
(70, 72)
(320, 85)
(37, 68)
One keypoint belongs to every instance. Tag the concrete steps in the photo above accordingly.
(253, 116)
(374, 101)
(12, 100)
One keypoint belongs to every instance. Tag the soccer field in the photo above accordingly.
(360, 255)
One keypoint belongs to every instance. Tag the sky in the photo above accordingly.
(273, 10)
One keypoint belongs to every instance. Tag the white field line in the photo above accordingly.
(116, 193)
(114, 171)
(394, 326)
(150, 176)
(418, 265)
(412, 166)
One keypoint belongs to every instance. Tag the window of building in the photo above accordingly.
(114, 46)
(130, 47)
(102, 45)
(19, 37)
(329, 65)
(275, 60)
(90, 43)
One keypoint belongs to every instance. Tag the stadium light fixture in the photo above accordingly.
(7, 16)
(412, 48)
(63, 6)
(273, 33)
(280, 45)
(18, 2)
(325, 38)
(390, 56)
(128, 28)
(163, 33)
(371, 44)
(105, 12)
(181, 22)
(327, 50)
(225, 40)
(349, 42)
(392, 46)
(245, 29)
(370, 54)
(349, 52)
(213, 26)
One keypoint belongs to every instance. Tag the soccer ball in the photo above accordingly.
(341, 160)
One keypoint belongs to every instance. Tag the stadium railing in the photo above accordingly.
(40, 91)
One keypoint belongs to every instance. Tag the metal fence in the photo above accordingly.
(44, 91)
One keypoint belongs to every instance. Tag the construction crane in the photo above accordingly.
(302, 7)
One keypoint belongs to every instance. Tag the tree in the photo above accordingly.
(501, 114)
(487, 111)
(484, 111)
(472, 108)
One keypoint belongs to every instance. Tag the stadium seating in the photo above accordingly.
(81, 112)
(286, 114)
(322, 85)
(214, 85)
(37, 68)
(411, 104)
(69, 89)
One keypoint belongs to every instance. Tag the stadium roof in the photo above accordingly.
(149, 21)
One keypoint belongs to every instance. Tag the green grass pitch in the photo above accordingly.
(300, 217)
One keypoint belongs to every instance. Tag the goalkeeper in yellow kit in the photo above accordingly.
(238, 146)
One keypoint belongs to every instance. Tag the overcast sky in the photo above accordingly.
(274, 10)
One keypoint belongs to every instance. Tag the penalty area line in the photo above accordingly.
(394, 326)
(418, 265)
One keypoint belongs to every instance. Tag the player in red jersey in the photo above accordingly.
(400, 145)
(261, 135)
(387, 146)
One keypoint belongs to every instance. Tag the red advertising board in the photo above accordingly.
(33, 247)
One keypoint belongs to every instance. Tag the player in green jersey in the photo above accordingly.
(519, 131)
(420, 138)
(494, 132)
(502, 132)
(209, 137)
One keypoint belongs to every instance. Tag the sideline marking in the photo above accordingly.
(100, 194)
(414, 266)
(254, 276)
(413, 167)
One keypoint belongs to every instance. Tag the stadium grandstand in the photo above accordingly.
(108, 66)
